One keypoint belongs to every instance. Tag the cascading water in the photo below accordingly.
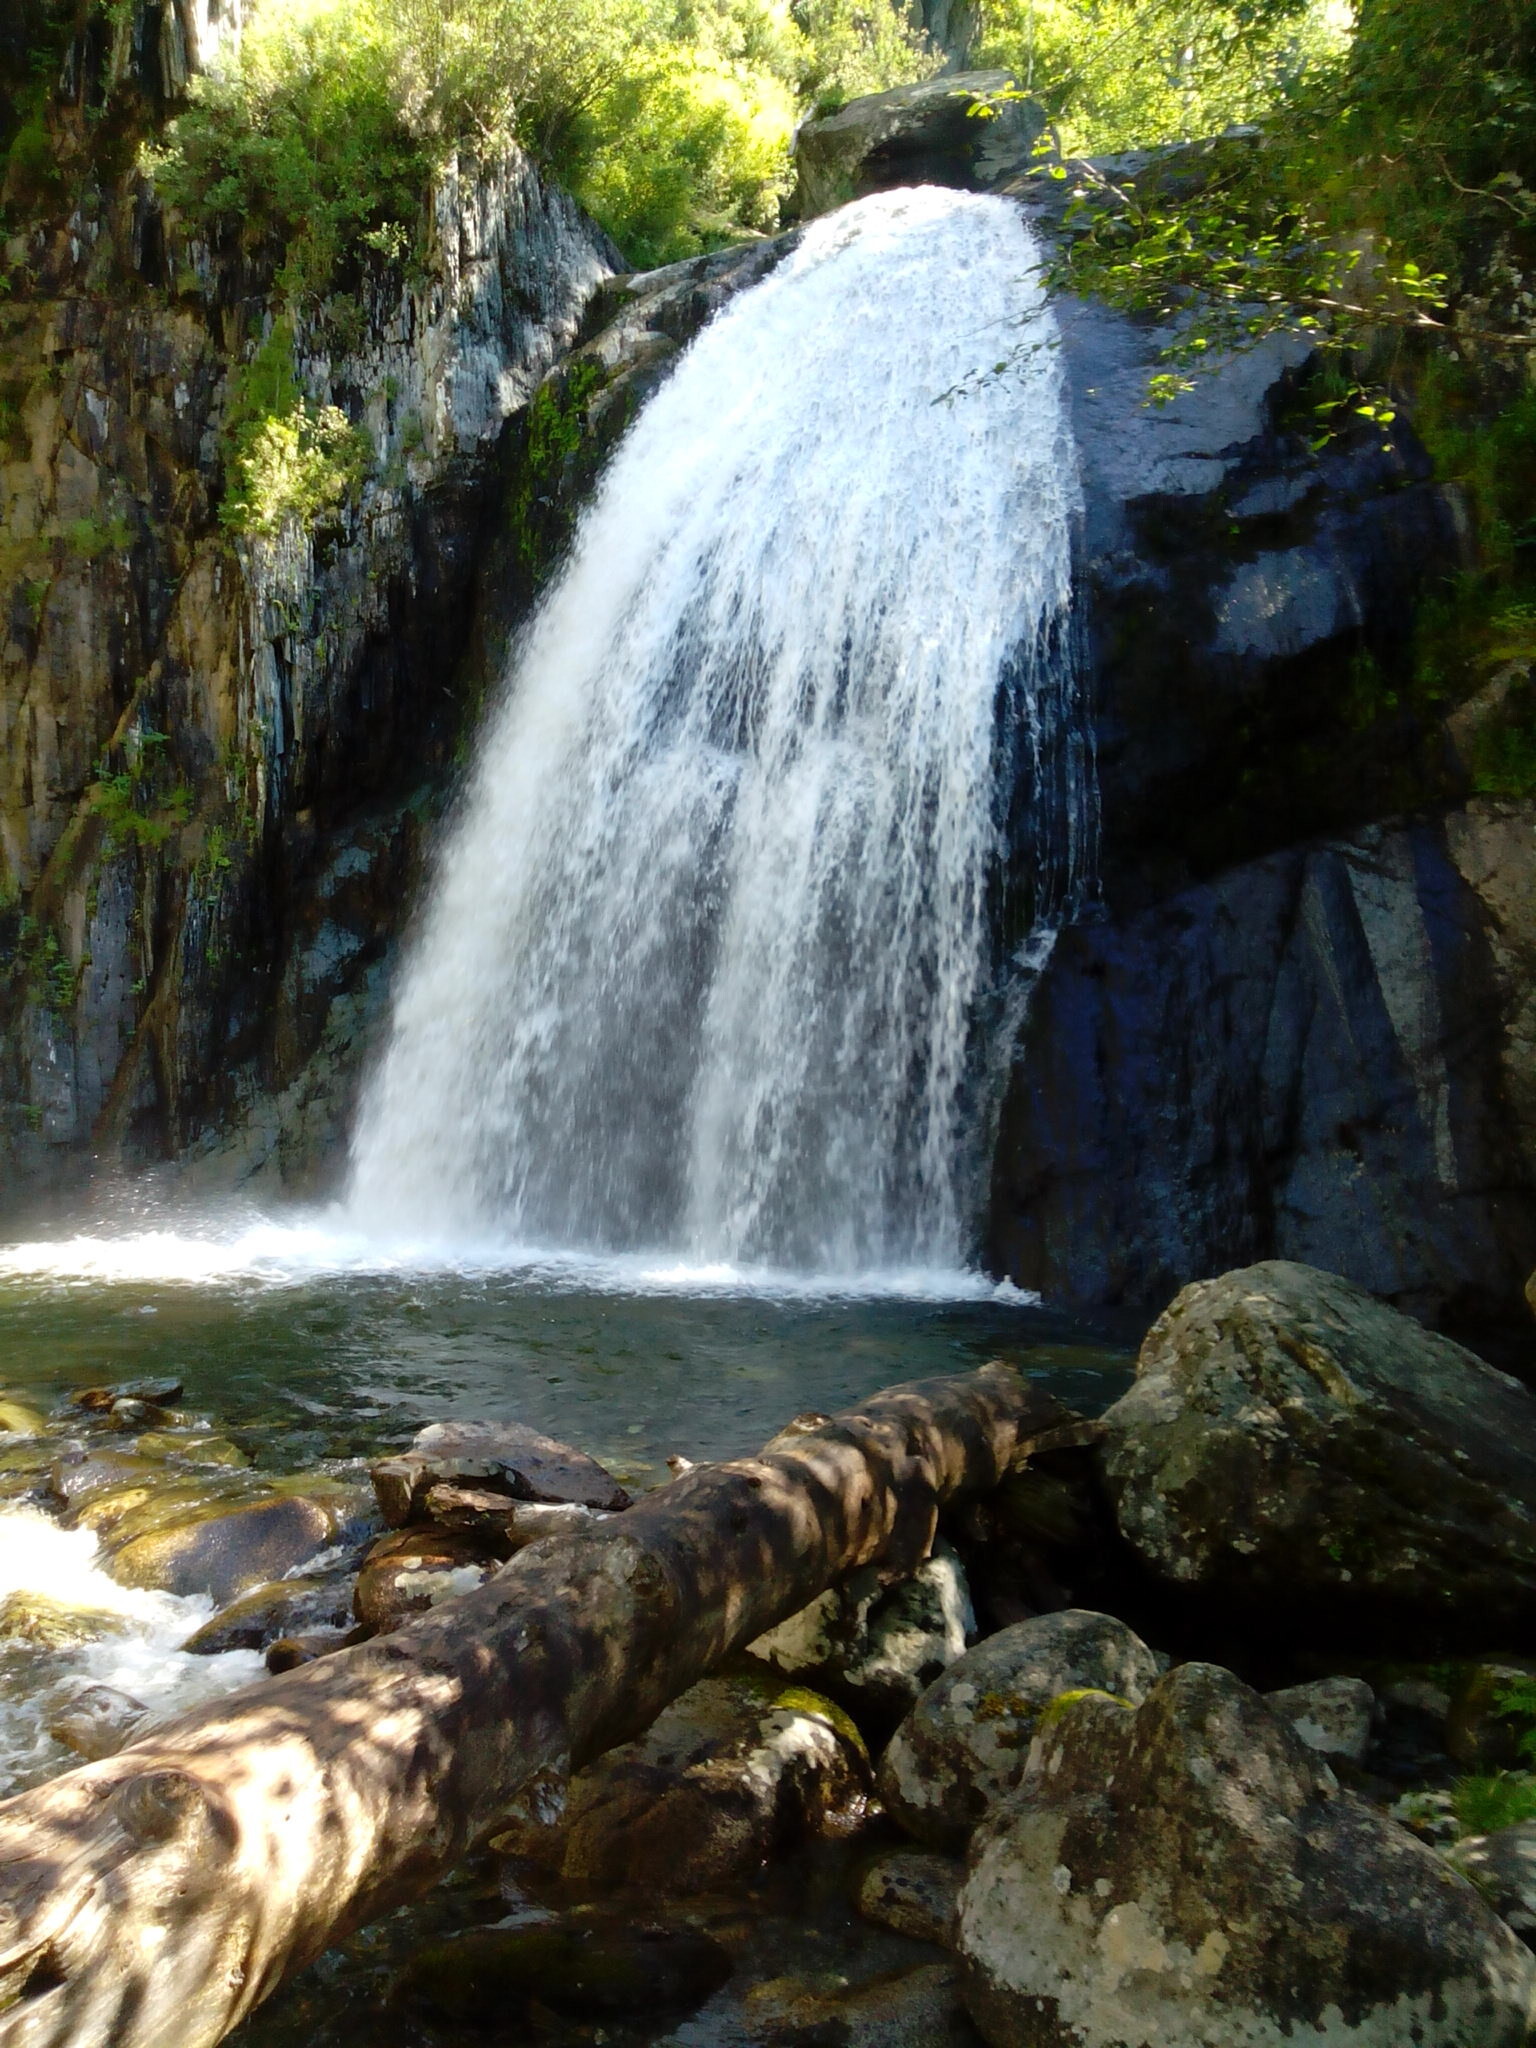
(716, 937)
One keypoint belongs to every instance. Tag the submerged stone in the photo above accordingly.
(99, 1721)
(572, 1965)
(17, 1419)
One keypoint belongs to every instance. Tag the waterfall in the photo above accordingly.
(720, 927)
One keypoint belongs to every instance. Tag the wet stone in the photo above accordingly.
(411, 1570)
(164, 1393)
(54, 1624)
(571, 1965)
(224, 1546)
(281, 1607)
(99, 1721)
(918, 2008)
(496, 1456)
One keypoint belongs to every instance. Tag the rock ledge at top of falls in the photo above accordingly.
(923, 134)
(1288, 1439)
(1189, 1873)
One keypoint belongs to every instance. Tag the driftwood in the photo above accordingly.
(152, 1900)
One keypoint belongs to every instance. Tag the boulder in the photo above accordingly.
(877, 1647)
(55, 1624)
(282, 1607)
(413, 1569)
(924, 134)
(571, 1964)
(226, 1544)
(500, 1524)
(1503, 1867)
(501, 1457)
(913, 1892)
(1295, 1448)
(1334, 1716)
(730, 1772)
(18, 1419)
(965, 1744)
(1188, 1873)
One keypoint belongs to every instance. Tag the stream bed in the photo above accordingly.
(309, 1351)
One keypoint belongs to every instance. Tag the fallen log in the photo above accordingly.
(152, 1900)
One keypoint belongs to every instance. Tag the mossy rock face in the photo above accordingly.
(1191, 1873)
(1293, 1442)
(581, 1968)
(965, 1745)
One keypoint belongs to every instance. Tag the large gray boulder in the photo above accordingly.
(923, 134)
(965, 1744)
(1503, 1867)
(1188, 1874)
(1293, 1441)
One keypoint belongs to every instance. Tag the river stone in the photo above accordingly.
(164, 1393)
(224, 1547)
(913, 1892)
(17, 1419)
(1188, 1873)
(411, 1570)
(877, 1647)
(55, 1624)
(282, 1607)
(575, 1965)
(501, 1456)
(730, 1772)
(1331, 1715)
(964, 1745)
(918, 2008)
(98, 1721)
(1503, 1867)
(1292, 1442)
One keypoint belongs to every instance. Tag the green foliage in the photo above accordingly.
(1484, 1805)
(1119, 74)
(1517, 1700)
(90, 538)
(290, 461)
(671, 118)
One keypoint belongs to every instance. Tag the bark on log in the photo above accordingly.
(152, 1900)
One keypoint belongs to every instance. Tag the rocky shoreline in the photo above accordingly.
(1215, 1723)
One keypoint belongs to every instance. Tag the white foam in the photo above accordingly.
(318, 1245)
(142, 1657)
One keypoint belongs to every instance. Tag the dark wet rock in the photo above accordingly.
(1484, 1729)
(735, 1769)
(130, 1416)
(1503, 1867)
(79, 1474)
(873, 1645)
(166, 1393)
(924, 134)
(282, 1607)
(1334, 1716)
(55, 1624)
(1189, 1872)
(965, 1744)
(502, 1525)
(287, 1653)
(499, 1457)
(99, 1721)
(913, 1892)
(193, 1447)
(572, 1965)
(413, 1569)
(918, 2008)
(225, 1545)
(1289, 1441)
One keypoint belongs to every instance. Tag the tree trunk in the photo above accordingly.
(152, 1900)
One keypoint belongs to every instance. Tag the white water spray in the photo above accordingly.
(716, 940)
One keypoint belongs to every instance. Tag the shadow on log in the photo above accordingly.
(151, 1901)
